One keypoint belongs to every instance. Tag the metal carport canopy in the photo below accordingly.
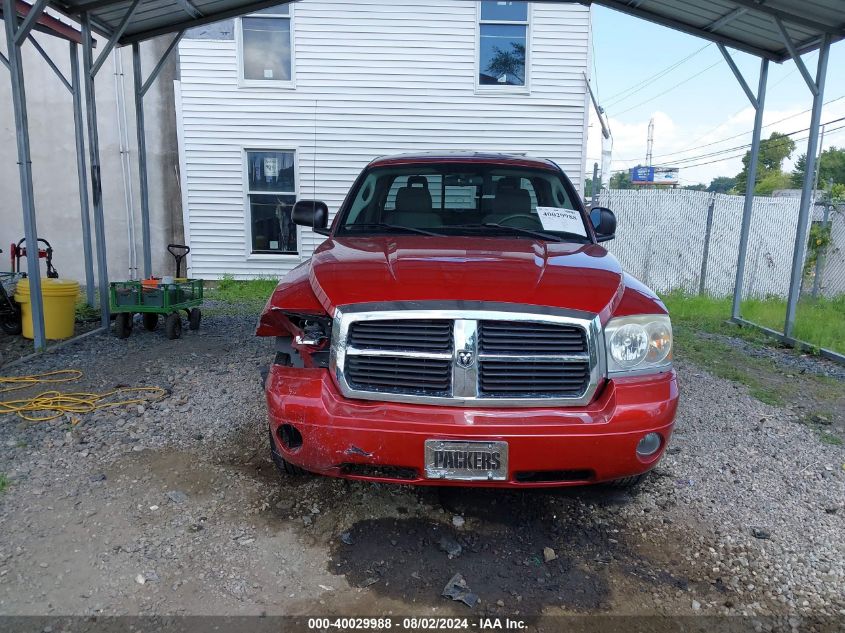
(773, 30)
(746, 25)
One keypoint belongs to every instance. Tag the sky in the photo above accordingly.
(695, 114)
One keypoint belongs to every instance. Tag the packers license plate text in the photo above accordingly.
(466, 461)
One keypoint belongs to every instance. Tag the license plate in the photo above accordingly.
(466, 461)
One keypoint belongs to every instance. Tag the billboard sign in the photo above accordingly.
(642, 175)
(665, 175)
(654, 175)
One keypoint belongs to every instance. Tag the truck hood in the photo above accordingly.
(352, 270)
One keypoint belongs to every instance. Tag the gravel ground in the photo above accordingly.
(13, 348)
(175, 508)
(785, 357)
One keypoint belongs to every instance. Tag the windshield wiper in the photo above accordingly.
(554, 237)
(395, 227)
(557, 237)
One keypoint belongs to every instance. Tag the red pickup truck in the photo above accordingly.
(462, 325)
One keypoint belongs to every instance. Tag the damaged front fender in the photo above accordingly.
(297, 319)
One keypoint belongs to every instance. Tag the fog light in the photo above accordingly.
(649, 445)
(289, 435)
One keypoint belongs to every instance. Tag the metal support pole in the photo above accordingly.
(50, 62)
(26, 25)
(759, 102)
(25, 171)
(595, 187)
(94, 155)
(807, 190)
(160, 64)
(114, 37)
(82, 176)
(142, 160)
(705, 255)
(140, 89)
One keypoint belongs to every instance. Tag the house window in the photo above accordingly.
(502, 43)
(271, 195)
(265, 46)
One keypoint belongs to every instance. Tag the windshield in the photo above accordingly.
(464, 199)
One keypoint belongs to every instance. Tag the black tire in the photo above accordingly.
(11, 324)
(628, 482)
(283, 465)
(173, 325)
(194, 318)
(150, 320)
(123, 324)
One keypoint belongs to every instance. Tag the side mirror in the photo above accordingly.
(311, 213)
(604, 223)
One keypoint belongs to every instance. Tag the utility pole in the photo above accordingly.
(649, 152)
(606, 138)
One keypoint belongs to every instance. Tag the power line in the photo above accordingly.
(595, 68)
(742, 148)
(739, 155)
(677, 85)
(730, 138)
(642, 84)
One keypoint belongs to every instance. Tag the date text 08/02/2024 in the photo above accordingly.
(416, 624)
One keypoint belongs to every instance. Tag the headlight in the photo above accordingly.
(638, 343)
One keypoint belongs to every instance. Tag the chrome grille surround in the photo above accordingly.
(465, 388)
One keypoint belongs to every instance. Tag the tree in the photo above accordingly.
(621, 180)
(771, 182)
(831, 167)
(510, 62)
(773, 151)
(722, 184)
(588, 187)
(699, 187)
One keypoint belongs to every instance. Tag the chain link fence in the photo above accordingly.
(689, 240)
(681, 240)
(824, 267)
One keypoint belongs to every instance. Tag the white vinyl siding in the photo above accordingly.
(372, 78)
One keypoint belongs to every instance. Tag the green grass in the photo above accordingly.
(819, 322)
(695, 321)
(84, 312)
(760, 375)
(829, 438)
(253, 293)
(4, 482)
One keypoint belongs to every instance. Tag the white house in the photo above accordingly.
(294, 101)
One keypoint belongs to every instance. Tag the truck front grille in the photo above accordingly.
(470, 353)
(503, 378)
(423, 335)
(527, 337)
(400, 375)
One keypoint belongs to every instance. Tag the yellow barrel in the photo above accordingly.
(59, 296)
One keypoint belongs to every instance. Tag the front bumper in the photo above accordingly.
(383, 441)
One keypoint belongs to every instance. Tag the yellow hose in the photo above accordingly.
(54, 404)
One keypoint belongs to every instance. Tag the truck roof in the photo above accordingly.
(494, 158)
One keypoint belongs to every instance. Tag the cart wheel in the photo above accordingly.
(173, 325)
(194, 318)
(123, 324)
(11, 323)
(150, 321)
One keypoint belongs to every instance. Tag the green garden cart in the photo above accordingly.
(153, 297)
